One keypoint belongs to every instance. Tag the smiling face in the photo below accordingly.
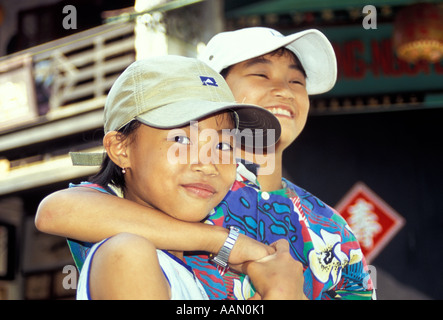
(276, 82)
(187, 191)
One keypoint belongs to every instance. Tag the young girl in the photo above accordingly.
(147, 113)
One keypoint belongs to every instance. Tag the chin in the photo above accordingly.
(190, 215)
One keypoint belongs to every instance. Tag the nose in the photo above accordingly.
(281, 88)
(203, 162)
(208, 169)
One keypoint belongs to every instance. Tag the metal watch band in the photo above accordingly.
(222, 257)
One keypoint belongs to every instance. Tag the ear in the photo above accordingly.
(116, 148)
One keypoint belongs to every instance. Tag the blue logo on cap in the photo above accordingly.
(208, 81)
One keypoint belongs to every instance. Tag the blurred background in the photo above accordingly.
(372, 147)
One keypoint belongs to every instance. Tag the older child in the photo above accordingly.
(153, 108)
(276, 72)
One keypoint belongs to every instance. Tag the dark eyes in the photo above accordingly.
(182, 139)
(296, 82)
(262, 75)
(223, 146)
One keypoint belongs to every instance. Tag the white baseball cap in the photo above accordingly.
(311, 47)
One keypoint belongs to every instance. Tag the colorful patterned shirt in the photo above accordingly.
(334, 266)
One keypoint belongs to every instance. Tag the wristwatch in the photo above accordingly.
(221, 259)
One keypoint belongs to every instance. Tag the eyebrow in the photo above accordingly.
(263, 60)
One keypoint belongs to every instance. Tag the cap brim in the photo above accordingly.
(317, 56)
(254, 125)
(267, 128)
(87, 158)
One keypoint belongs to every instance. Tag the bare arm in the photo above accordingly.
(126, 267)
(89, 215)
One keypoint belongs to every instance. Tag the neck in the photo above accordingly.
(270, 181)
(270, 172)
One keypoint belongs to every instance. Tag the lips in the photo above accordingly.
(281, 111)
(201, 190)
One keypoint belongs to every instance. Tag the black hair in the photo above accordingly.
(110, 173)
(230, 114)
(278, 52)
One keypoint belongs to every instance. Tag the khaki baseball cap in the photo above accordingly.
(311, 47)
(168, 92)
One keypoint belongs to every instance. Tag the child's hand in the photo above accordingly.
(247, 249)
(277, 276)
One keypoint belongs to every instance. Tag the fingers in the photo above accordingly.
(266, 259)
(281, 245)
(242, 267)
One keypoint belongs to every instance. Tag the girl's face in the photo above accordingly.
(274, 82)
(183, 172)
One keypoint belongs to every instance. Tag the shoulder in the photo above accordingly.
(319, 214)
(109, 271)
(94, 186)
(312, 204)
